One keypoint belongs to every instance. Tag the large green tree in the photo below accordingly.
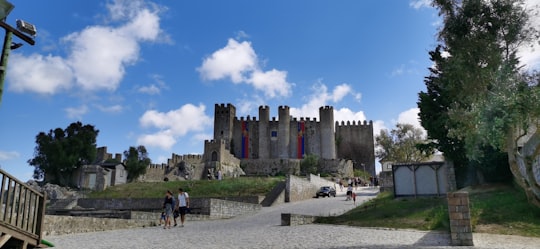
(401, 144)
(309, 164)
(476, 91)
(136, 161)
(60, 152)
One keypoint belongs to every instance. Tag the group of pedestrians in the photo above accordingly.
(172, 208)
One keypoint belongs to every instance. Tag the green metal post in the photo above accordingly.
(4, 61)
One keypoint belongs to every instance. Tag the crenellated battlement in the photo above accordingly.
(213, 141)
(354, 124)
(161, 166)
(247, 118)
(223, 106)
(326, 108)
(283, 107)
(305, 119)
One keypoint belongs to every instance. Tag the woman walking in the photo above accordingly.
(168, 206)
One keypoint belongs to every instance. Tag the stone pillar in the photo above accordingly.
(460, 219)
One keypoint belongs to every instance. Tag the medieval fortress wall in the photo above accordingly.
(285, 138)
(267, 146)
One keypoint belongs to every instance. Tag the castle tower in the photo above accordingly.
(328, 142)
(356, 143)
(224, 123)
(284, 132)
(264, 132)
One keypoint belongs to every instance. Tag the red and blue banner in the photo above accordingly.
(300, 143)
(245, 139)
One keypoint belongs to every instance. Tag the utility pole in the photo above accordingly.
(22, 27)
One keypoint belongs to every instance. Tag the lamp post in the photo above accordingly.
(22, 27)
(364, 166)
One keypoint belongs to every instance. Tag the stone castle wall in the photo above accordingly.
(265, 167)
(285, 138)
(355, 141)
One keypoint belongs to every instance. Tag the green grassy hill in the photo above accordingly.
(244, 186)
(497, 209)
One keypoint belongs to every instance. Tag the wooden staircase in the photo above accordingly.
(22, 210)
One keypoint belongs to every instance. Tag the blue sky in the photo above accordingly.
(149, 72)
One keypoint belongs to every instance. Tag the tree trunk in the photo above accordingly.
(524, 161)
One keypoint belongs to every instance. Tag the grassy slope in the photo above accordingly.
(227, 187)
(500, 210)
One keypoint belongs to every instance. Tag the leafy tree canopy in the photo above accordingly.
(309, 164)
(60, 152)
(136, 161)
(401, 144)
(476, 93)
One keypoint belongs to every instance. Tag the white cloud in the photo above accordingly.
(340, 91)
(239, 62)
(321, 97)
(378, 125)
(529, 54)
(240, 35)
(110, 109)
(234, 61)
(273, 83)
(161, 139)
(417, 4)
(76, 112)
(172, 124)
(151, 89)
(97, 56)
(37, 73)
(346, 114)
(197, 138)
(411, 117)
(8, 155)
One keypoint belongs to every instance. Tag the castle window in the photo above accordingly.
(221, 132)
(273, 135)
(214, 156)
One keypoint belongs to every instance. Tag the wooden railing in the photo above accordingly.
(21, 212)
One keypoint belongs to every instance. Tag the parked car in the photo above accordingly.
(326, 191)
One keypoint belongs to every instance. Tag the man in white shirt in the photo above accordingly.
(183, 205)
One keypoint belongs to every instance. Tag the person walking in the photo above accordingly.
(168, 206)
(183, 205)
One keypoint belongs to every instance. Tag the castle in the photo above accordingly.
(266, 146)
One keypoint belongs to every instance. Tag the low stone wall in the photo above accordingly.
(209, 209)
(138, 204)
(245, 199)
(298, 189)
(288, 219)
(121, 204)
(58, 225)
(319, 181)
(227, 209)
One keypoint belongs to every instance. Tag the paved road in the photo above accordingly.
(264, 230)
